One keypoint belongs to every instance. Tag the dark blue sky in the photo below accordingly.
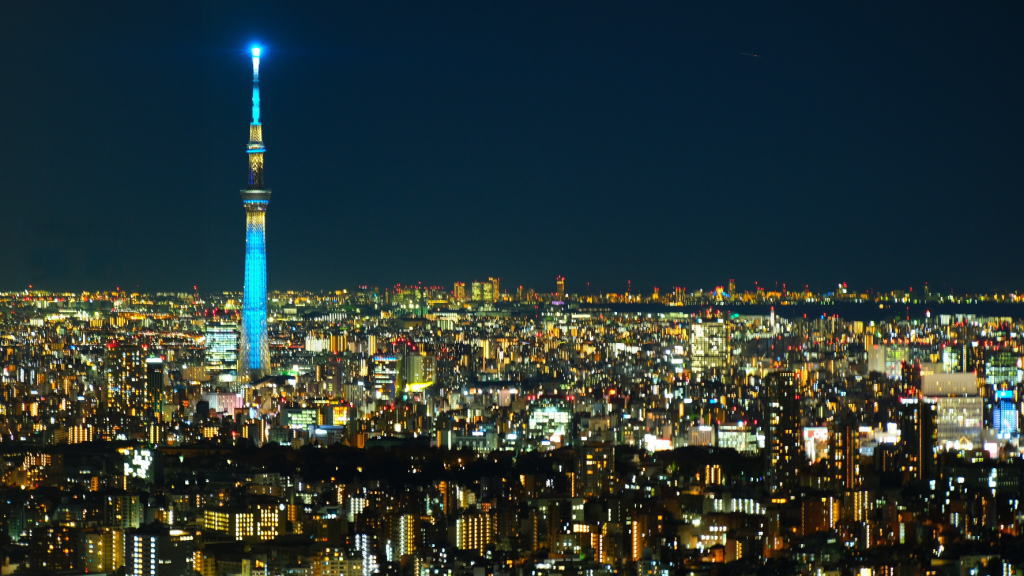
(670, 143)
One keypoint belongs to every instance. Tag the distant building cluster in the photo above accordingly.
(424, 431)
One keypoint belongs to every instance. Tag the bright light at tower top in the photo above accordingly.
(256, 51)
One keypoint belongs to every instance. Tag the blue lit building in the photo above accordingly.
(1005, 416)
(253, 346)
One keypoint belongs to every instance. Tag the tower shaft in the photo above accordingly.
(254, 345)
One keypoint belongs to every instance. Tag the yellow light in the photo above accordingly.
(418, 386)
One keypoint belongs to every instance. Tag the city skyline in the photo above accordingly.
(567, 289)
(667, 146)
(421, 431)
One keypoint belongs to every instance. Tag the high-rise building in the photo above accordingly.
(845, 454)
(406, 529)
(959, 410)
(416, 372)
(155, 376)
(385, 375)
(102, 550)
(459, 292)
(709, 348)
(887, 360)
(818, 514)
(594, 470)
(549, 423)
(483, 291)
(495, 287)
(956, 358)
(123, 376)
(221, 345)
(155, 550)
(1005, 416)
(259, 521)
(254, 347)
(1002, 367)
(52, 549)
(475, 530)
(917, 437)
(785, 454)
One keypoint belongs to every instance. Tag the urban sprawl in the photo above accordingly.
(483, 430)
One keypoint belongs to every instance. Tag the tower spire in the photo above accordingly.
(256, 147)
(253, 346)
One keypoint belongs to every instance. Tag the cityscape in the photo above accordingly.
(475, 429)
(491, 424)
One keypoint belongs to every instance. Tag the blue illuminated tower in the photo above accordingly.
(253, 346)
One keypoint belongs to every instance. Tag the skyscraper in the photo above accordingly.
(917, 438)
(154, 396)
(846, 453)
(221, 346)
(709, 348)
(254, 349)
(783, 432)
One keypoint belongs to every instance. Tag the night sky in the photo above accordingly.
(878, 143)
